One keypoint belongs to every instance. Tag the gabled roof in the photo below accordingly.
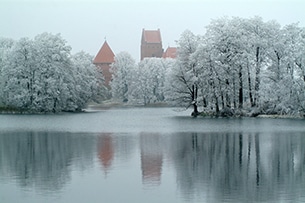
(105, 55)
(171, 52)
(151, 36)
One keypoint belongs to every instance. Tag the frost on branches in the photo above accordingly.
(40, 75)
(149, 82)
(241, 67)
(238, 67)
(143, 83)
(122, 74)
(184, 82)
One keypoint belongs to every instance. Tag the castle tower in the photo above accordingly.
(103, 60)
(151, 44)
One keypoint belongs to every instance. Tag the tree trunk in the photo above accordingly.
(212, 83)
(228, 100)
(250, 86)
(195, 112)
(278, 62)
(222, 101)
(240, 92)
(257, 78)
(234, 93)
(205, 102)
(216, 105)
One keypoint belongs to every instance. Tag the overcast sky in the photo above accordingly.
(86, 23)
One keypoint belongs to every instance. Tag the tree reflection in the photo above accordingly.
(213, 165)
(258, 158)
(43, 159)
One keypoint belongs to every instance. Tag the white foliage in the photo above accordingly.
(149, 81)
(241, 63)
(122, 75)
(184, 78)
(88, 79)
(40, 75)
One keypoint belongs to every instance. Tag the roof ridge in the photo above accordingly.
(105, 54)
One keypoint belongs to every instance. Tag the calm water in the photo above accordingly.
(150, 155)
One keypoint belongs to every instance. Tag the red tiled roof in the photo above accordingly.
(105, 55)
(171, 52)
(151, 36)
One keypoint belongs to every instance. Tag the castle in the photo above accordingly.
(151, 46)
(103, 60)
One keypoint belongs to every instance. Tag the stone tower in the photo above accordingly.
(151, 44)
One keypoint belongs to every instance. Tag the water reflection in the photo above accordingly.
(43, 159)
(151, 158)
(114, 150)
(231, 167)
(105, 151)
(240, 167)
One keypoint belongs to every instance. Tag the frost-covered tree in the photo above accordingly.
(40, 76)
(225, 40)
(122, 75)
(54, 74)
(287, 56)
(17, 74)
(5, 45)
(210, 78)
(241, 65)
(257, 31)
(295, 65)
(89, 80)
(149, 81)
(184, 79)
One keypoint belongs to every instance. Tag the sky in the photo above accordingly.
(85, 24)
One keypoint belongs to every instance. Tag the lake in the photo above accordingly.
(150, 155)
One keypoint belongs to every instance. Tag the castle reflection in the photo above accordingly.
(105, 151)
(151, 158)
(245, 166)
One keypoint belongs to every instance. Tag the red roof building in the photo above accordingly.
(151, 44)
(103, 60)
(171, 52)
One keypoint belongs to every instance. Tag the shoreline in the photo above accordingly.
(94, 107)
